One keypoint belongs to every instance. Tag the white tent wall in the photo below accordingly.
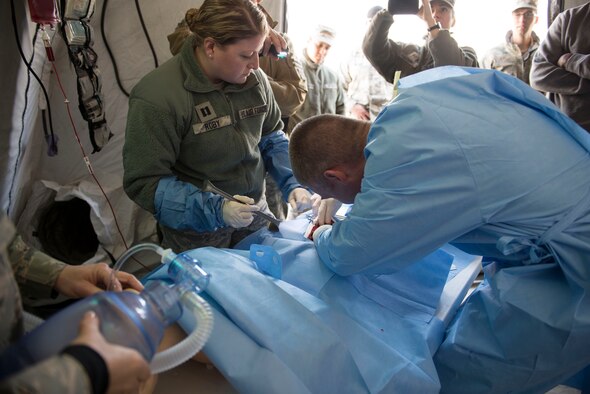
(17, 113)
(29, 174)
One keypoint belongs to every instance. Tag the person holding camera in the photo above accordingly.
(440, 48)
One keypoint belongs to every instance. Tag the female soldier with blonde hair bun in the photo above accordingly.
(209, 114)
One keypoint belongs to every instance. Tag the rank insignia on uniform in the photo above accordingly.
(205, 111)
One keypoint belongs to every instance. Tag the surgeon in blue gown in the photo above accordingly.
(478, 159)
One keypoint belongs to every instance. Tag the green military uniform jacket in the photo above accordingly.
(180, 124)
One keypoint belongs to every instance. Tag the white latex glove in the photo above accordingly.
(300, 200)
(316, 199)
(318, 231)
(239, 215)
(326, 210)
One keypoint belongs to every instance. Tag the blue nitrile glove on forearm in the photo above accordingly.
(274, 148)
(182, 206)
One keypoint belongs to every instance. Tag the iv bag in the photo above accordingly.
(44, 12)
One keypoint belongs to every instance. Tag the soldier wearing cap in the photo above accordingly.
(515, 56)
(325, 94)
(440, 49)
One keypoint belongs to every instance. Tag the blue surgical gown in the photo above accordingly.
(478, 159)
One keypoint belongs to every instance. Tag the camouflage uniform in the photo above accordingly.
(35, 274)
(508, 58)
(364, 85)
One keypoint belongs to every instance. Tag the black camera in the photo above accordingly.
(399, 7)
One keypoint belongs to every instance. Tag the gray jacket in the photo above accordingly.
(325, 94)
(568, 87)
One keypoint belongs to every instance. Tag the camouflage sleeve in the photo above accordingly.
(59, 375)
(287, 80)
(35, 272)
(354, 82)
(487, 61)
(272, 23)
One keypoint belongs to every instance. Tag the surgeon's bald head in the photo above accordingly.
(326, 142)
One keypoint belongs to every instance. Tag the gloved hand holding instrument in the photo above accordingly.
(325, 209)
(238, 211)
(300, 200)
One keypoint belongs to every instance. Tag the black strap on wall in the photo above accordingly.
(77, 34)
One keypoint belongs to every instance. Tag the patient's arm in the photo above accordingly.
(175, 334)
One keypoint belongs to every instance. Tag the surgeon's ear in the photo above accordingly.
(335, 175)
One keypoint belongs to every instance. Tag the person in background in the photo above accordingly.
(89, 364)
(449, 161)
(561, 66)
(440, 48)
(287, 81)
(515, 56)
(325, 94)
(209, 114)
(366, 91)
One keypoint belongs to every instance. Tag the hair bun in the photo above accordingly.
(191, 16)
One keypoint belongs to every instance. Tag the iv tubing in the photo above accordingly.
(128, 253)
